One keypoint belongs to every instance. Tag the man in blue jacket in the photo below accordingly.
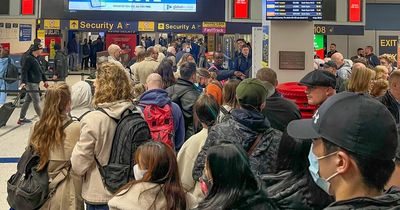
(243, 62)
(155, 95)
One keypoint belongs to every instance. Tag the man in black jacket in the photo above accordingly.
(60, 64)
(372, 59)
(247, 127)
(185, 94)
(392, 97)
(279, 111)
(351, 157)
(31, 76)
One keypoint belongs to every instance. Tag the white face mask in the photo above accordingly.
(187, 50)
(139, 173)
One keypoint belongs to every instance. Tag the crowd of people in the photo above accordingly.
(188, 137)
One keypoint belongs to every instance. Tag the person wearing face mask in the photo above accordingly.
(157, 184)
(185, 49)
(353, 151)
(248, 127)
(54, 137)
(229, 183)
(210, 85)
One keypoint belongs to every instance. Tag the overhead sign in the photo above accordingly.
(136, 5)
(338, 29)
(214, 27)
(179, 27)
(388, 45)
(52, 24)
(355, 10)
(241, 9)
(25, 32)
(146, 26)
(294, 10)
(98, 25)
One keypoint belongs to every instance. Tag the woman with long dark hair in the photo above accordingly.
(206, 111)
(157, 184)
(166, 71)
(229, 183)
(53, 138)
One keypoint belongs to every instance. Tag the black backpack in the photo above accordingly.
(131, 132)
(29, 189)
(11, 73)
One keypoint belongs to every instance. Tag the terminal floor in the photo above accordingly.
(13, 140)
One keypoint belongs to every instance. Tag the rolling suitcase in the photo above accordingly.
(7, 109)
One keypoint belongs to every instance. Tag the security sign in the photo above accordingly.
(74, 24)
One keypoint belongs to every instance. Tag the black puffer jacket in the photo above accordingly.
(32, 71)
(390, 102)
(185, 94)
(295, 191)
(243, 128)
(388, 201)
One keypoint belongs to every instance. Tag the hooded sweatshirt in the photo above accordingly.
(81, 95)
(160, 98)
(97, 133)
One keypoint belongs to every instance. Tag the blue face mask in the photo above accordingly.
(314, 168)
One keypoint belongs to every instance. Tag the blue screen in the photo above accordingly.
(134, 5)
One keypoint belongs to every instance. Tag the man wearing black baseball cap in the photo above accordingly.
(31, 76)
(331, 67)
(351, 157)
(320, 86)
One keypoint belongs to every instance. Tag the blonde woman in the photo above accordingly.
(54, 137)
(187, 57)
(112, 94)
(388, 60)
(382, 72)
(361, 79)
(379, 88)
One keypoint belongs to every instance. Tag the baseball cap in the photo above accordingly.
(330, 64)
(319, 78)
(37, 47)
(251, 91)
(355, 122)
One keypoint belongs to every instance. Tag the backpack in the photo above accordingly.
(161, 123)
(11, 73)
(29, 189)
(131, 132)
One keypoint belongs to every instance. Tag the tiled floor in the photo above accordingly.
(13, 140)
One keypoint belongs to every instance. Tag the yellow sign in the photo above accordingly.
(161, 26)
(214, 24)
(146, 26)
(73, 24)
(52, 24)
(41, 35)
(52, 50)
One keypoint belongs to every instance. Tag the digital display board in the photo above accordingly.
(294, 10)
(134, 5)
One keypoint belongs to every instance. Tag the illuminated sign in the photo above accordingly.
(27, 7)
(98, 25)
(192, 27)
(52, 24)
(294, 10)
(355, 10)
(146, 26)
(241, 9)
(214, 27)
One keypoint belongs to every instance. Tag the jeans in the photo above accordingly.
(3, 95)
(31, 96)
(86, 62)
(96, 207)
(73, 61)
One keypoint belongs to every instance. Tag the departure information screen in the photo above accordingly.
(294, 10)
(134, 5)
